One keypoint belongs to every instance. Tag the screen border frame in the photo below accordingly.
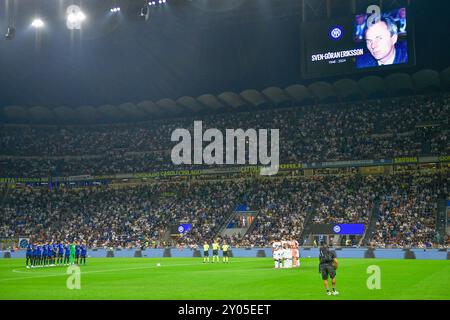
(411, 38)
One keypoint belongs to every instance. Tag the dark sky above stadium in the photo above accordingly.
(185, 48)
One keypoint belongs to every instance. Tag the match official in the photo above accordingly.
(225, 248)
(215, 247)
(205, 252)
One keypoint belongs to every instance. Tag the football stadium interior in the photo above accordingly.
(97, 97)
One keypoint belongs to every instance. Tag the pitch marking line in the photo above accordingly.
(110, 270)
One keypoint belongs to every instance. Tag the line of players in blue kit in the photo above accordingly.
(52, 254)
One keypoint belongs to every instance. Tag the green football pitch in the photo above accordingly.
(240, 279)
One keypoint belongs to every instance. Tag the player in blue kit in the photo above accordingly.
(55, 253)
(54, 250)
(38, 254)
(45, 254)
(66, 253)
(29, 256)
(60, 253)
(83, 254)
(77, 253)
(33, 260)
(50, 254)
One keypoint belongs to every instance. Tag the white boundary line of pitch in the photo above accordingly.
(114, 270)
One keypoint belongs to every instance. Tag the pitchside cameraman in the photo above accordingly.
(327, 267)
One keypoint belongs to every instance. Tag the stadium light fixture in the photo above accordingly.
(75, 17)
(10, 33)
(144, 13)
(115, 9)
(37, 23)
(155, 3)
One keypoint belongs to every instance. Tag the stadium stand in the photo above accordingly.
(125, 216)
(319, 123)
(376, 129)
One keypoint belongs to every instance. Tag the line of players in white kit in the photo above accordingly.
(286, 254)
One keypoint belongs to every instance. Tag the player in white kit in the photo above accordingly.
(295, 253)
(287, 256)
(276, 252)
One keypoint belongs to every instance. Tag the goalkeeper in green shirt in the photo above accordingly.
(72, 253)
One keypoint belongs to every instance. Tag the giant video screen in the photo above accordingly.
(366, 42)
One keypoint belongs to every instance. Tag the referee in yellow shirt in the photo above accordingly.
(215, 247)
(205, 252)
(225, 248)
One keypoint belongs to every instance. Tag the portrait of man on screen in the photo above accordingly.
(383, 45)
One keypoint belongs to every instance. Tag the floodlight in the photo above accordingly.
(37, 23)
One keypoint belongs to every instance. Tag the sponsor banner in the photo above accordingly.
(343, 164)
(123, 176)
(80, 178)
(401, 160)
(72, 178)
(221, 170)
(23, 242)
(22, 180)
(108, 177)
(183, 228)
(168, 174)
(292, 166)
(249, 169)
(428, 159)
(341, 229)
(444, 159)
(233, 169)
(349, 229)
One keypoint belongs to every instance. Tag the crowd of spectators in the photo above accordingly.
(127, 215)
(408, 210)
(108, 215)
(378, 129)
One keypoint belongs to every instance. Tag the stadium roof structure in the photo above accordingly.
(277, 97)
(372, 86)
(323, 91)
(445, 79)
(395, 84)
(169, 107)
(233, 100)
(348, 89)
(426, 80)
(399, 84)
(149, 108)
(255, 98)
(299, 94)
(190, 104)
(211, 102)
